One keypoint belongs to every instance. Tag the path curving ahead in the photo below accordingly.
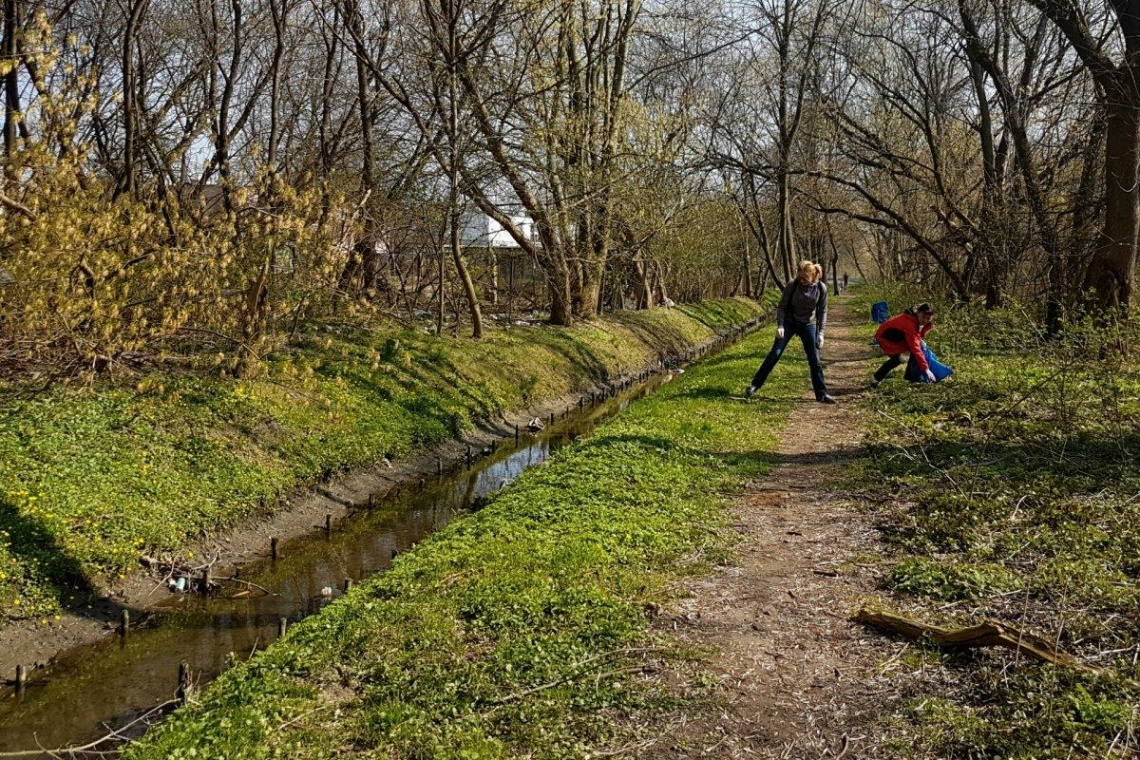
(793, 673)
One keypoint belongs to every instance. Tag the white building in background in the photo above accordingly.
(500, 264)
(478, 230)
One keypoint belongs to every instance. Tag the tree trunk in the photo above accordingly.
(590, 286)
(644, 284)
(453, 13)
(11, 83)
(253, 323)
(560, 300)
(1065, 261)
(786, 242)
(280, 16)
(128, 184)
(1114, 264)
(834, 260)
(493, 261)
(659, 284)
(441, 302)
(748, 290)
(465, 276)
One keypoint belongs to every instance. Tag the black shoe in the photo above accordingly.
(825, 399)
(875, 383)
(749, 391)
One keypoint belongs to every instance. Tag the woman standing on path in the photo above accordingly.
(804, 297)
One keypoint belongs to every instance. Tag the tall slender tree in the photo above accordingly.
(1112, 270)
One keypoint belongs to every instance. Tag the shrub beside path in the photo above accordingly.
(793, 676)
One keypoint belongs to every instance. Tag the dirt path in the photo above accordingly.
(793, 674)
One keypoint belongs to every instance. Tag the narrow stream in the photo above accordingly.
(93, 688)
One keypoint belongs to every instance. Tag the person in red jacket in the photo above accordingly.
(903, 334)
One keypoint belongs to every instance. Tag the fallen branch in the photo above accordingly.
(247, 584)
(639, 668)
(578, 670)
(987, 634)
(301, 717)
(171, 567)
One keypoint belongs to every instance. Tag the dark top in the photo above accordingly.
(801, 303)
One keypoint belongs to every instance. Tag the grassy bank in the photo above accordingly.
(521, 630)
(91, 479)
(1010, 493)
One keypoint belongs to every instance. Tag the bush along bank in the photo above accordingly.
(1010, 493)
(90, 480)
(521, 630)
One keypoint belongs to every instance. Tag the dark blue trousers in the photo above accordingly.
(912, 374)
(807, 337)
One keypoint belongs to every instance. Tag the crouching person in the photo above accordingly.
(903, 334)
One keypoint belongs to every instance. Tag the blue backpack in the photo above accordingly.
(880, 313)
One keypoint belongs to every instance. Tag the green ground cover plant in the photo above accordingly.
(521, 630)
(1010, 493)
(90, 479)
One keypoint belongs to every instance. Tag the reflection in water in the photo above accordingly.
(114, 681)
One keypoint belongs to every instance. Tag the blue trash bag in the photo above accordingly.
(940, 370)
(880, 313)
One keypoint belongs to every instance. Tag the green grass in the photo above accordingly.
(1010, 492)
(91, 479)
(520, 630)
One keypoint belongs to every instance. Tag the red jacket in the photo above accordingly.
(903, 335)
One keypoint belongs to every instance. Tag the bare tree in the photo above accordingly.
(1113, 267)
(11, 81)
(135, 12)
(1018, 93)
(444, 22)
(552, 141)
(949, 129)
(774, 86)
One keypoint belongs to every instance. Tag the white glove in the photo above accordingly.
(780, 333)
(930, 378)
(819, 341)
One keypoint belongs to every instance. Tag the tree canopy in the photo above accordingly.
(220, 172)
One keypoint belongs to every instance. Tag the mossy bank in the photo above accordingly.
(522, 630)
(92, 479)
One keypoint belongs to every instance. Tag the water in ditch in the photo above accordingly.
(92, 689)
